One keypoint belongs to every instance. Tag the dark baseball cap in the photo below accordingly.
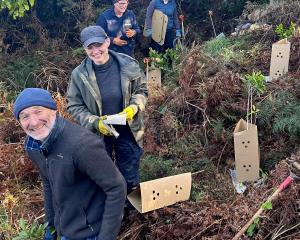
(92, 34)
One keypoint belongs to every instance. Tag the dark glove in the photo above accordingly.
(50, 234)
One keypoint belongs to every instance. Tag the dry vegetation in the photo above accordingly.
(188, 128)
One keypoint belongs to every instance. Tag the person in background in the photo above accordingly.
(84, 192)
(107, 83)
(121, 26)
(167, 7)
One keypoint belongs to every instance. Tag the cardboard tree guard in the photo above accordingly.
(280, 58)
(154, 78)
(161, 192)
(246, 151)
(159, 27)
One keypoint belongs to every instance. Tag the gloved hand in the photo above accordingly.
(50, 234)
(148, 32)
(178, 33)
(102, 127)
(130, 111)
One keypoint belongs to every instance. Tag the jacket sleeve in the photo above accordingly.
(149, 14)
(101, 21)
(76, 106)
(105, 174)
(139, 91)
(49, 211)
(175, 16)
(135, 25)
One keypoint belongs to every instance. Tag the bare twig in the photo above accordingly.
(221, 156)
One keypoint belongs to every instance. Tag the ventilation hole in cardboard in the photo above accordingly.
(157, 194)
(180, 188)
(244, 166)
(247, 170)
(249, 165)
(154, 198)
(153, 191)
(277, 55)
(176, 186)
(243, 142)
(281, 56)
(248, 142)
(176, 192)
(246, 146)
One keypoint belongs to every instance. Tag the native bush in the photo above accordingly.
(215, 46)
(281, 114)
(283, 32)
(16, 8)
(20, 73)
(35, 231)
(153, 167)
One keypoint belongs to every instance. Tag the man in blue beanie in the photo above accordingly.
(121, 27)
(84, 192)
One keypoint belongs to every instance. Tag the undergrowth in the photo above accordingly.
(281, 114)
(20, 73)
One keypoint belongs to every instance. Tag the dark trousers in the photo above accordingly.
(89, 238)
(127, 154)
(169, 39)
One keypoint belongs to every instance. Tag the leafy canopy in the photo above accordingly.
(16, 8)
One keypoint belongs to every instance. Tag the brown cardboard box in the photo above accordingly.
(159, 27)
(161, 192)
(154, 78)
(280, 58)
(246, 151)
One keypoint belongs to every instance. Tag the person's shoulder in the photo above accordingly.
(81, 67)
(123, 58)
(130, 12)
(108, 12)
(78, 132)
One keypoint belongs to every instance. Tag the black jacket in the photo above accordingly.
(84, 191)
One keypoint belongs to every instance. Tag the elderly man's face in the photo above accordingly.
(98, 52)
(121, 6)
(37, 121)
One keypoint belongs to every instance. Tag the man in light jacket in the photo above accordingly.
(107, 83)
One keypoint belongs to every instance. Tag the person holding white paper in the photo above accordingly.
(108, 83)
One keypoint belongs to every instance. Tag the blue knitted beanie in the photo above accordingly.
(33, 97)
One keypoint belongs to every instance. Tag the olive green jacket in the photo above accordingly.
(84, 99)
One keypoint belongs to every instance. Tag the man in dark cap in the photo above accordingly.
(108, 83)
(84, 191)
(121, 26)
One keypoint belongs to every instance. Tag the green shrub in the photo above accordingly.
(153, 167)
(34, 231)
(281, 114)
(216, 46)
(20, 73)
(285, 33)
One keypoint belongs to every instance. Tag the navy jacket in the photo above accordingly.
(116, 27)
(84, 191)
(168, 9)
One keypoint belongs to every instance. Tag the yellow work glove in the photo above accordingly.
(130, 111)
(102, 127)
